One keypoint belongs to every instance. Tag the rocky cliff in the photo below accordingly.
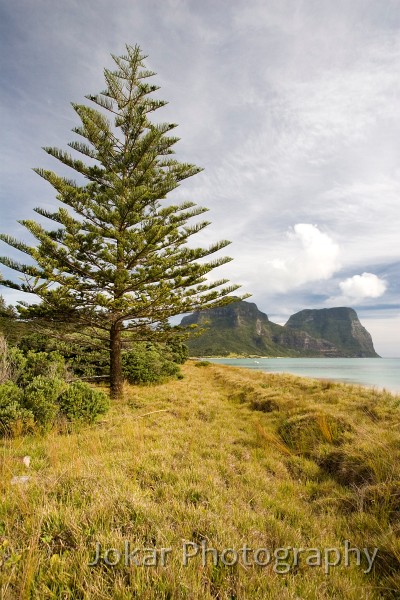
(340, 326)
(240, 328)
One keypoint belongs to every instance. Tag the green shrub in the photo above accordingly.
(86, 361)
(82, 357)
(10, 392)
(80, 402)
(178, 350)
(148, 363)
(12, 361)
(14, 418)
(47, 364)
(17, 363)
(40, 397)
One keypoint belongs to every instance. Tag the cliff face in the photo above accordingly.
(340, 326)
(305, 344)
(240, 328)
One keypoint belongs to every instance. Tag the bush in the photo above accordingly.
(40, 397)
(14, 418)
(87, 361)
(47, 364)
(178, 350)
(80, 402)
(148, 363)
(33, 392)
(12, 361)
(82, 357)
(16, 363)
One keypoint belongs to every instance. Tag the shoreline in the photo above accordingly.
(361, 375)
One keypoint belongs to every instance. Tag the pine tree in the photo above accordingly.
(118, 260)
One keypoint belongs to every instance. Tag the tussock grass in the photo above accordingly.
(225, 458)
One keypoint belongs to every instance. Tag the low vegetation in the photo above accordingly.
(152, 363)
(36, 393)
(223, 458)
(41, 383)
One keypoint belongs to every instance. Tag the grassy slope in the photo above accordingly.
(232, 457)
(239, 341)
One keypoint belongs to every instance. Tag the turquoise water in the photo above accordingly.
(377, 372)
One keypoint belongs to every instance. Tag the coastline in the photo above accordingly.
(381, 374)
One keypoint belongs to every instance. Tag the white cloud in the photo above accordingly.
(282, 263)
(363, 286)
(311, 256)
(358, 288)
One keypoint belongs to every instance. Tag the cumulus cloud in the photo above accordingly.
(363, 286)
(309, 255)
(358, 288)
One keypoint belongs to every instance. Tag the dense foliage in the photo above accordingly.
(35, 393)
(80, 402)
(149, 363)
(14, 418)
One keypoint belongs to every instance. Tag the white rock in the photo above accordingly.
(27, 461)
(20, 479)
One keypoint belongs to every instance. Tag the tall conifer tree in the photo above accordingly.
(118, 260)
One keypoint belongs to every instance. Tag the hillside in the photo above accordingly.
(241, 328)
(237, 328)
(226, 458)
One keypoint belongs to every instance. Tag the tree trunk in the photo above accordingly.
(116, 378)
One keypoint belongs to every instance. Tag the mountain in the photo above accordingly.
(241, 328)
(340, 326)
(238, 328)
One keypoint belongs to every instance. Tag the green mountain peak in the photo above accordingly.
(242, 329)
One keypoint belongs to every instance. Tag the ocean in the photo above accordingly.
(381, 373)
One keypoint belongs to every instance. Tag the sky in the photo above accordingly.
(292, 108)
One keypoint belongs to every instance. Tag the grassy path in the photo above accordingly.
(224, 458)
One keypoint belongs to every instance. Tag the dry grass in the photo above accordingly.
(224, 457)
